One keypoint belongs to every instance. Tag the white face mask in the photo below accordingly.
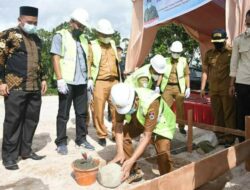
(155, 77)
(105, 40)
(132, 110)
(175, 55)
(248, 30)
(29, 28)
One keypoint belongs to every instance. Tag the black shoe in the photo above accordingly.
(102, 142)
(33, 156)
(10, 165)
(182, 131)
(135, 176)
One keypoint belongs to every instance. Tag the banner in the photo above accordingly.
(159, 11)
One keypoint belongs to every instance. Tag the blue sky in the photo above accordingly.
(54, 12)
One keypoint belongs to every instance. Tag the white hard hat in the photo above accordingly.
(122, 96)
(176, 47)
(104, 26)
(80, 15)
(158, 63)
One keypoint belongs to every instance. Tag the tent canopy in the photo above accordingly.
(198, 23)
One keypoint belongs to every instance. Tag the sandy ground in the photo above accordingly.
(55, 172)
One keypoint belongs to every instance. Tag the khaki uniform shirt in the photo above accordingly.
(217, 66)
(150, 118)
(108, 67)
(173, 78)
(240, 61)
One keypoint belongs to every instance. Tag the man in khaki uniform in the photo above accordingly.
(150, 75)
(145, 113)
(104, 73)
(175, 84)
(216, 68)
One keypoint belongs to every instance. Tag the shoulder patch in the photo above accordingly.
(151, 115)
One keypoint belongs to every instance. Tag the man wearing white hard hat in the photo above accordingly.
(175, 84)
(70, 56)
(145, 112)
(150, 75)
(104, 74)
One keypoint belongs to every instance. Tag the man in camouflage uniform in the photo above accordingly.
(21, 83)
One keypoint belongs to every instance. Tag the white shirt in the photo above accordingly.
(240, 60)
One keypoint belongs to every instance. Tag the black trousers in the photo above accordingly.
(243, 105)
(77, 94)
(22, 110)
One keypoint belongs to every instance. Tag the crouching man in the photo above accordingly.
(145, 113)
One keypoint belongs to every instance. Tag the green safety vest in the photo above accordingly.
(166, 123)
(69, 51)
(182, 62)
(133, 79)
(97, 54)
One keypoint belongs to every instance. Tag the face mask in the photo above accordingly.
(155, 77)
(218, 45)
(105, 40)
(175, 55)
(248, 31)
(132, 110)
(76, 33)
(29, 28)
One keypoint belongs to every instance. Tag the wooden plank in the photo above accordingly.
(190, 131)
(198, 173)
(247, 131)
(214, 128)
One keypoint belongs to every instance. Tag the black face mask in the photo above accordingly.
(219, 45)
(76, 33)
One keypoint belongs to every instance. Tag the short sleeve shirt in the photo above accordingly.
(81, 66)
(150, 118)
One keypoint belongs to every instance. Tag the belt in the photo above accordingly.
(172, 84)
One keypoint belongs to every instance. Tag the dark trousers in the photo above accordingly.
(243, 105)
(77, 94)
(22, 110)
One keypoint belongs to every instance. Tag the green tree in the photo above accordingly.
(170, 33)
(46, 37)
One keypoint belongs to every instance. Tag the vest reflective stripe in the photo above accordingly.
(166, 123)
(97, 54)
(69, 51)
(182, 62)
(133, 79)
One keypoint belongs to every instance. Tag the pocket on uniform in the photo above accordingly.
(244, 47)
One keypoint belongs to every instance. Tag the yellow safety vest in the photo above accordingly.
(182, 62)
(133, 79)
(97, 54)
(166, 123)
(69, 51)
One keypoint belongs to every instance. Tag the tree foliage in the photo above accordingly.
(47, 36)
(170, 33)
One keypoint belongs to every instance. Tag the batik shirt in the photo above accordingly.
(20, 60)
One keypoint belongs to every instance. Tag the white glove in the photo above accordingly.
(187, 93)
(157, 90)
(90, 96)
(90, 85)
(62, 86)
